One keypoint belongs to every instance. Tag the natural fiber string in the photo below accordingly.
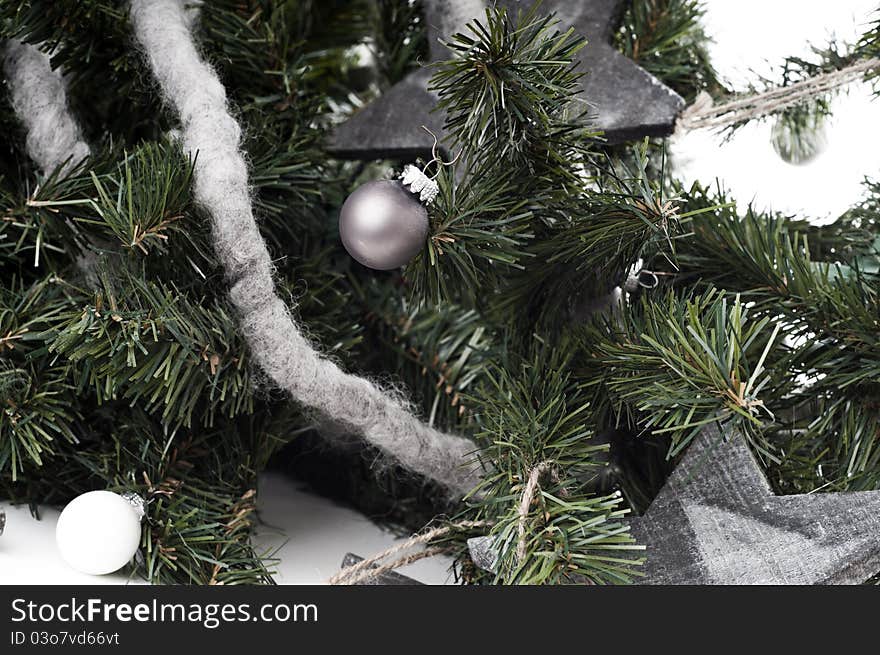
(703, 113)
(525, 504)
(365, 569)
(221, 186)
(371, 573)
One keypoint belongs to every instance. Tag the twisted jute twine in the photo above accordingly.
(525, 504)
(705, 114)
(370, 567)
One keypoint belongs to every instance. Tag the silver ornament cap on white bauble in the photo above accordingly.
(100, 531)
(384, 224)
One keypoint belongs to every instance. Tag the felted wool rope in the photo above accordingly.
(220, 185)
(39, 98)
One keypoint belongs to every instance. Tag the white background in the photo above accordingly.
(750, 35)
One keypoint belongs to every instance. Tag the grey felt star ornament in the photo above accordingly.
(629, 102)
(717, 521)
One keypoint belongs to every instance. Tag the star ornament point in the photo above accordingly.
(629, 103)
(717, 521)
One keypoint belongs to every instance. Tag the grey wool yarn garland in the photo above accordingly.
(39, 98)
(220, 185)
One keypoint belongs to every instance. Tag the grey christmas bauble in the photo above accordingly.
(383, 225)
(801, 142)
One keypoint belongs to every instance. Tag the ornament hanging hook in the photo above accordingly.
(435, 157)
(650, 279)
(642, 279)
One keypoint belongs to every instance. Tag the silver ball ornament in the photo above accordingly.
(799, 143)
(383, 224)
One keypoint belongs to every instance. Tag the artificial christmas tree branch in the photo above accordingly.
(667, 39)
(55, 439)
(821, 285)
(124, 364)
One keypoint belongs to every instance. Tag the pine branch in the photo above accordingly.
(441, 351)
(38, 405)
(535, 423)
(477, 234)
(829, 311)
(509, 93)
(144, 200)
(679, 363)
(666, 38)
(149, 343)
(91, 41)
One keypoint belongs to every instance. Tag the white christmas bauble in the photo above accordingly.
(99, 532)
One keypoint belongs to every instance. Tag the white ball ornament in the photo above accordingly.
(100, 531)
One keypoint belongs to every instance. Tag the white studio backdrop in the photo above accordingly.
(751, 37)
(310, 535)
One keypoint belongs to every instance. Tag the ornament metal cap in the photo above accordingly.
(138, 504)
(419, 183)
(2, 520)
